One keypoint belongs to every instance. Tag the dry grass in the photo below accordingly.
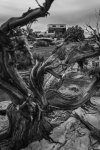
(44, 51)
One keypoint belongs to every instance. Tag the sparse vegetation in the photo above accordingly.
(74, 34)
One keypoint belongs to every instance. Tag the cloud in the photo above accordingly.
(62, 11)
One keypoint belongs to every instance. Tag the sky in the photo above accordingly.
(69, 12)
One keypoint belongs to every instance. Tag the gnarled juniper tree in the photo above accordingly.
(30, 105)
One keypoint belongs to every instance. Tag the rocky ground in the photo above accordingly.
(71, 134)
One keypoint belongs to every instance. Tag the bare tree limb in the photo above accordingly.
(27, 17)
(38, 3)
(95, 32)
(83, 57)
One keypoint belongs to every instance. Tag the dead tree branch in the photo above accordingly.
(95, 33)
(31, 14)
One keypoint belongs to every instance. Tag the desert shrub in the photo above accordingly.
(74, 34)
(22, 55)
(23, 60)
(41, 43)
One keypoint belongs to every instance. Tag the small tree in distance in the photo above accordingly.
(74, 34)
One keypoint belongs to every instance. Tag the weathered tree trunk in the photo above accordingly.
(24, 114)
(28, 111)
